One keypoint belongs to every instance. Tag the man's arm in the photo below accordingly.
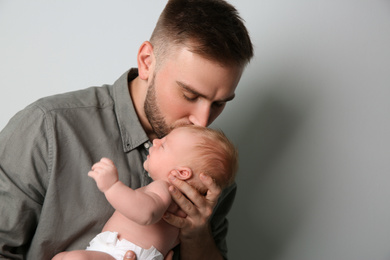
(24, 150)
(201, 239)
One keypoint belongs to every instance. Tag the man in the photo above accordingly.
(186, 74)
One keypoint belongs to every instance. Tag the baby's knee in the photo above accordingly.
(59, 256)
(72, 255)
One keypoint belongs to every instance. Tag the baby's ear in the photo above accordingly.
(183, 173)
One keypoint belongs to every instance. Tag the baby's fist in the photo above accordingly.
(104, 173)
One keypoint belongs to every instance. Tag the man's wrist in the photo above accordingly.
(201, 246)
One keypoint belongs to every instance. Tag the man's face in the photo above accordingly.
(188, 89)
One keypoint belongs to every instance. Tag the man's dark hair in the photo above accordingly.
(210, 28)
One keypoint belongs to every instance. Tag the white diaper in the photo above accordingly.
(109, 243)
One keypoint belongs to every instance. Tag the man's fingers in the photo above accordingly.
(169, 256)
(174, 220)
(181, 200)
(213, 191)
(130, 255)
(192, 195)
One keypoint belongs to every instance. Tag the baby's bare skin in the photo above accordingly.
(138, 215)
(161, 235)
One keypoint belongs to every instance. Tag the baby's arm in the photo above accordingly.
(144, 206)
(104, 173)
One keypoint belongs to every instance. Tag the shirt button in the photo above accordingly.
(146, 145)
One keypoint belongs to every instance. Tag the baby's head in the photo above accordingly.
(191, 150)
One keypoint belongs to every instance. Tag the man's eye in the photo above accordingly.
(219, 104)
(190, 98)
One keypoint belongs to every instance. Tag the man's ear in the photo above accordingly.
(145, 60)
(183, 173)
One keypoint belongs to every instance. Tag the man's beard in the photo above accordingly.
(153, 113)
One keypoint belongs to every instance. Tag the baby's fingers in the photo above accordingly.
(92, 174)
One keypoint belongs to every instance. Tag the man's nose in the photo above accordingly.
(201, 115)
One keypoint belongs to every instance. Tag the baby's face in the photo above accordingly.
(169, 153)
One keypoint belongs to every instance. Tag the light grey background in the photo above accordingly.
(311, 117)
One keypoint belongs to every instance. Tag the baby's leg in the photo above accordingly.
(82, 255)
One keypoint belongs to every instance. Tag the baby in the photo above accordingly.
(185, 153)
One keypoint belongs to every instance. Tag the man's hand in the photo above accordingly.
(131, 255)
(104, 173)
(197, 207)
(195, 227)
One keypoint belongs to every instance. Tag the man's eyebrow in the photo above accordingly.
(190, 89)
(193, 91)
(228, 98)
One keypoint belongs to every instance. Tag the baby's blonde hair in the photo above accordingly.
(215, 155)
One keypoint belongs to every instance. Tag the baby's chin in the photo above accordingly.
(146, 165)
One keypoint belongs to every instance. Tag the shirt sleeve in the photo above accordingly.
(24, 151)
(219, 222)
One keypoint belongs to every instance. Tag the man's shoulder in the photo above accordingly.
(98, 97)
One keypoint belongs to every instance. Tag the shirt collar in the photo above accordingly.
(130, 127)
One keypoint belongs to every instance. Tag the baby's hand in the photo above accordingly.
(104, 173)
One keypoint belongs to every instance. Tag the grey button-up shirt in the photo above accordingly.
(48, 203)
